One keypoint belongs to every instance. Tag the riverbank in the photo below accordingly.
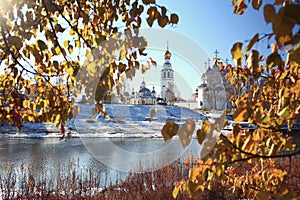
(125, 121)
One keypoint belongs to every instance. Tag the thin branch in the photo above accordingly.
(53, 29)
(73, 27)
(10, 52)
(251, 155)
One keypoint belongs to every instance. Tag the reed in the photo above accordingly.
(21, 182)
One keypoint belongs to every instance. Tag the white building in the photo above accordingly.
(214, 92)
(143, 96)
(167, 80)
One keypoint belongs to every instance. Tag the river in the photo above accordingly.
(109, 158)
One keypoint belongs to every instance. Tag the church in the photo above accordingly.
(167, 80)
(214, 92)
(143, 96)
(168, 92)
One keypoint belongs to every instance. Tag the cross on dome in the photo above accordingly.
(216, 52)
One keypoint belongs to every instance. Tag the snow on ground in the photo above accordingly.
(125, 121)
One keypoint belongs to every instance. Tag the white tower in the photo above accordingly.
(167, 79)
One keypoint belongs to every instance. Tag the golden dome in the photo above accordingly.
(167, 54)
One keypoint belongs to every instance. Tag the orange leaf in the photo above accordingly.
(240, 114)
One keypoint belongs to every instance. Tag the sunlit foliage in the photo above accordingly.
(250, 162)
(52, 49)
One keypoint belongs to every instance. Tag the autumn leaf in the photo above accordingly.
(15, 41)
(200, 136)
(252, 42)
(194, 173)
(174, 19)
(240, 114)
(206, 130)
(253, 61)
(256, 4)
(169, 130)
(274, 59)
(292, 11)
(152, 114)
(42, 45)
(185, 132)
(269, 13)
(236, 53)
(283, 26)
(70, 49)
(294, 56)
(206, 126)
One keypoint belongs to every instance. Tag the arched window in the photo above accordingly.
(168, 74)
(164, 74)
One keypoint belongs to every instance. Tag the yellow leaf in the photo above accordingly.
(294, 56)
(70, 49)
(72, 32)
(57, 119)
(185, 133)
(123, 54)
(206, 126)
(252, 42)
(253, 61)
(66, 43)
(240, 114)
(194, 173)
(88, 55)
(285, 112)
(175, 192)
(56, 50)
(143, 68)
(77, 43)
(70, 70)
(30, 118)
(236, 53)
(26, 104)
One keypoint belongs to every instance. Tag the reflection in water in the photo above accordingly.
(50, 157)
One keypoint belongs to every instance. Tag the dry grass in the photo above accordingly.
(69, 184)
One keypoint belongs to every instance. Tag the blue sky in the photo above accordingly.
(210, 25)
(213, 25)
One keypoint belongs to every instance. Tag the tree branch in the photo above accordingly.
(53, 29)
(73, 27)
(251, 155)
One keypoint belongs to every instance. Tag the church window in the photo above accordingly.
(164, 74)
(168, 74)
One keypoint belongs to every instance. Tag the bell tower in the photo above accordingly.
(167, 78)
